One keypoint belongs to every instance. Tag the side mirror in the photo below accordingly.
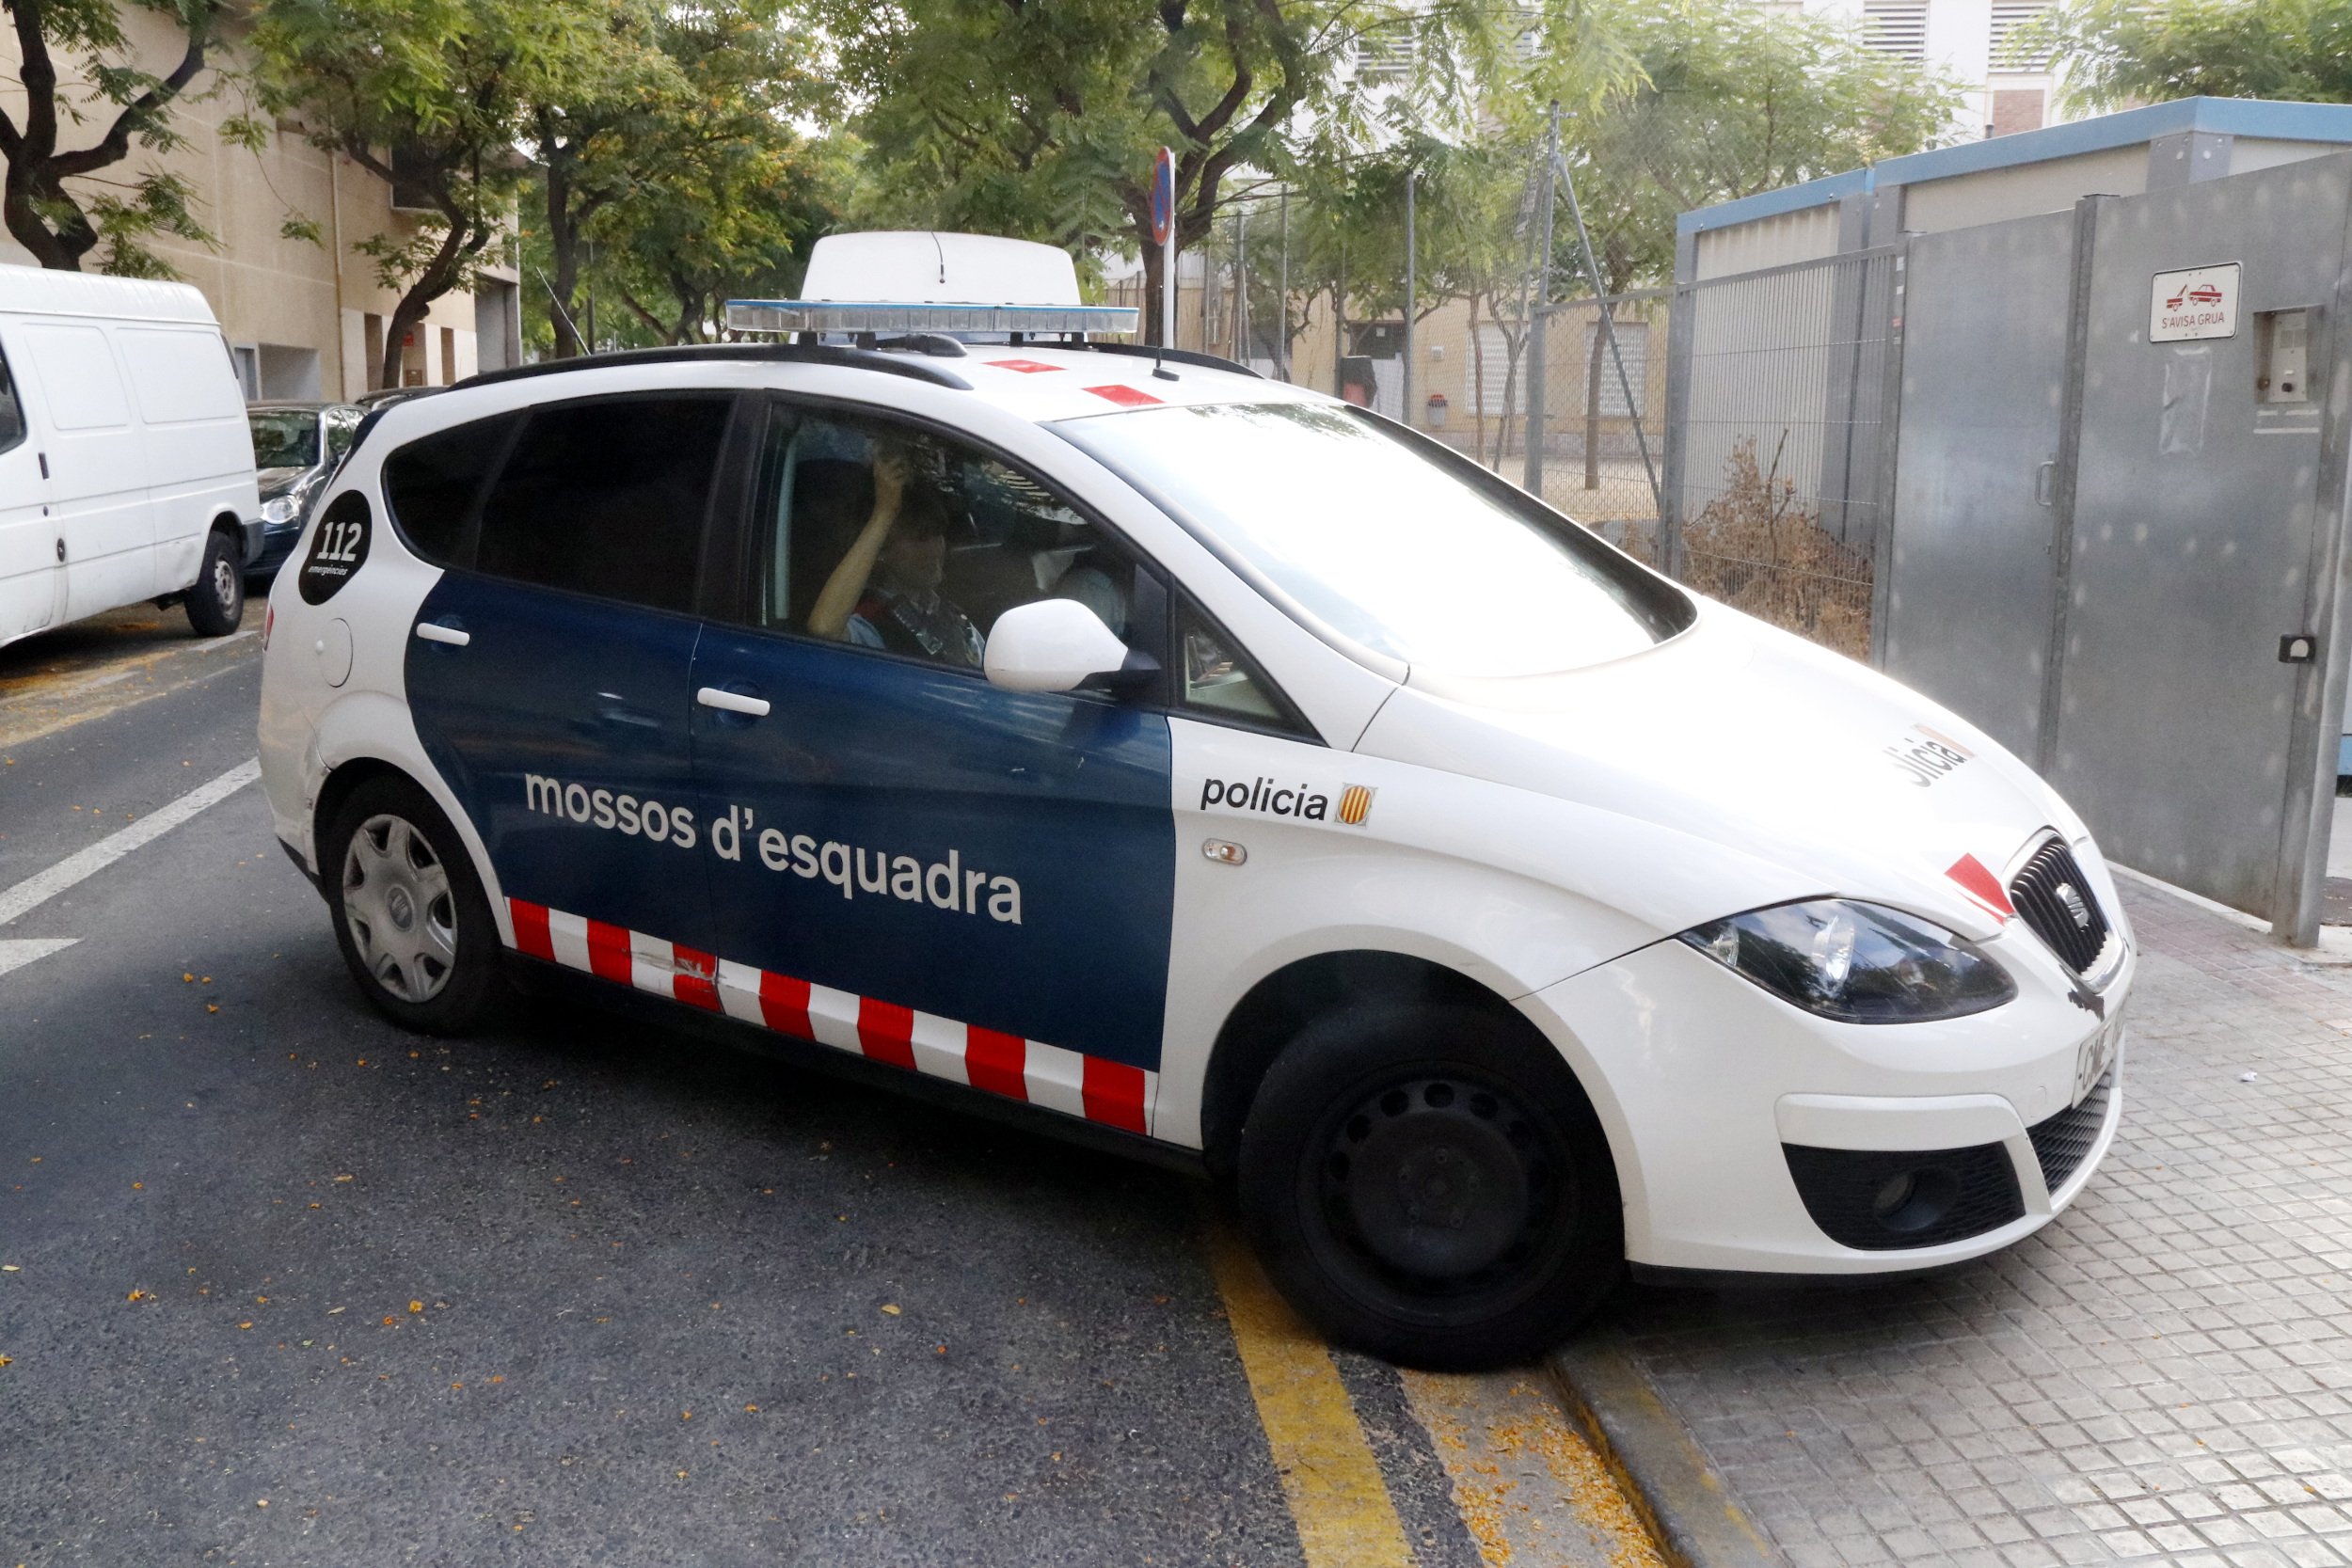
(1050, 645)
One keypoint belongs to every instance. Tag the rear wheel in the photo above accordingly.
(409, 912)
(217, 599)
(1430, 1184)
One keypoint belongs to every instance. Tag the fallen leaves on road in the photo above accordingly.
(138, 1296)
(892, 1311)
(416, 1306)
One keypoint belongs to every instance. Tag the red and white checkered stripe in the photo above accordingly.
(1109, 1092)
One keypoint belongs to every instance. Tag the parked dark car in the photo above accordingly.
(295, 445)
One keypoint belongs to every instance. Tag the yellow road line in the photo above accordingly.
(1337, 1497)
(1529, 1487)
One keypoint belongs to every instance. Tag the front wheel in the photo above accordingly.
(409, 912)
(216, 599)
(1430, 1184)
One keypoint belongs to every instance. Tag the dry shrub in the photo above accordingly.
(1755, 549)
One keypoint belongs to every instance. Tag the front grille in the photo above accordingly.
(2054, 900)
(1881, 1200)
(2061, 1141)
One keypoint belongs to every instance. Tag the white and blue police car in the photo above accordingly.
(1204, 764)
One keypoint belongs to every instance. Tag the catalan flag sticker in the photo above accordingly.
(1356, 803)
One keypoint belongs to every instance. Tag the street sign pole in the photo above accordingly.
(1164, 233)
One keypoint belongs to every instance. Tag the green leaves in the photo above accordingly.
(2119, 51)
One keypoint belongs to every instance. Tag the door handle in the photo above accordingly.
(732, 702)
(433, 631)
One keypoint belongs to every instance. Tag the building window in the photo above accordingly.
(412, 181)
(1384, 53)
(1896, 29)
(2016, 109)
(2013, 51)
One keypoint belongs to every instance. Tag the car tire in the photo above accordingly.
(216, 600)
(409, 911)
(1427, 1183)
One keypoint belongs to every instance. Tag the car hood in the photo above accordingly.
(1734, 765)
(277, 482)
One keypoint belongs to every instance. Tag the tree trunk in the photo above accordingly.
(564, 245)
(431, 284)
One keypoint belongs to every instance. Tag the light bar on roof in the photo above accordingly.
(835, 315)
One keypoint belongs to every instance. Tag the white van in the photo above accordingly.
(126, 465)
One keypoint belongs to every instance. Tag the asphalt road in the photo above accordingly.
(280, 1284)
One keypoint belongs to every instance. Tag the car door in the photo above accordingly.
(32, 574)
(548, 672)
(907, 861)
(97, 467)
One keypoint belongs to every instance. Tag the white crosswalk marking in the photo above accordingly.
(23, 950)
(42, 886)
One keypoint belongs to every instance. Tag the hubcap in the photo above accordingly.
(398, 904)
(224, 582)
(1439, 1178)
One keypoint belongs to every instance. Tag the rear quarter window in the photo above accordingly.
(433, 484)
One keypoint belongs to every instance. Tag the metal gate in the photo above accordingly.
(2119, 548)
(1968, 592)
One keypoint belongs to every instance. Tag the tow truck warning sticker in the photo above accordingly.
(2194, 303)
(339, 548)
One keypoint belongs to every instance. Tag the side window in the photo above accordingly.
(432, 483)
(608, 497)
(889, 537)
(1218, 678)
(11, 412)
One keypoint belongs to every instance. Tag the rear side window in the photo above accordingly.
(608, 497)
(431, 485)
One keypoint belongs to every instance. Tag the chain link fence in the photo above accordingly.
(1739, 435)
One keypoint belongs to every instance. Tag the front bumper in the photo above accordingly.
(1751, 1137)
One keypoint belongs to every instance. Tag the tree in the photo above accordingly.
(2119, 51)
(1039, 120)
(1729, 101)
(428, 96)
(594, 136)
(61, 226)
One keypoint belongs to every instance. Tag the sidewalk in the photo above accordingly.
(2163, 1374)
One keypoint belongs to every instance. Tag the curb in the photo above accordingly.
(1681, 1497)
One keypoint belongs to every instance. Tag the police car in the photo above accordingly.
(1202, 763)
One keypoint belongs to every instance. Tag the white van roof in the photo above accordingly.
(40, 292)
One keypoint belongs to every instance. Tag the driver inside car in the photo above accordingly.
(884, 593)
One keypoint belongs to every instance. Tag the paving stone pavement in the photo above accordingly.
(2162, 1375)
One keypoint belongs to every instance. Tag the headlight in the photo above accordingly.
(1858, 963)
(278, 509)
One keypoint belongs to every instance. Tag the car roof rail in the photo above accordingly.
(913, 368)
(1179, 356)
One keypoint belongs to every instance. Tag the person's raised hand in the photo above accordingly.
(892, 472)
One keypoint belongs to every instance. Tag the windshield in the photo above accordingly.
(284, 437)
(1384, 544)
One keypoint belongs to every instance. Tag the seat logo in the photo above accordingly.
(2075, 905)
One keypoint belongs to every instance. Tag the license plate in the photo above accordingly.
(2095, 1056)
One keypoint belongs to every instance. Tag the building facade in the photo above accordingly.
(303, 318)
(1983, 43)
